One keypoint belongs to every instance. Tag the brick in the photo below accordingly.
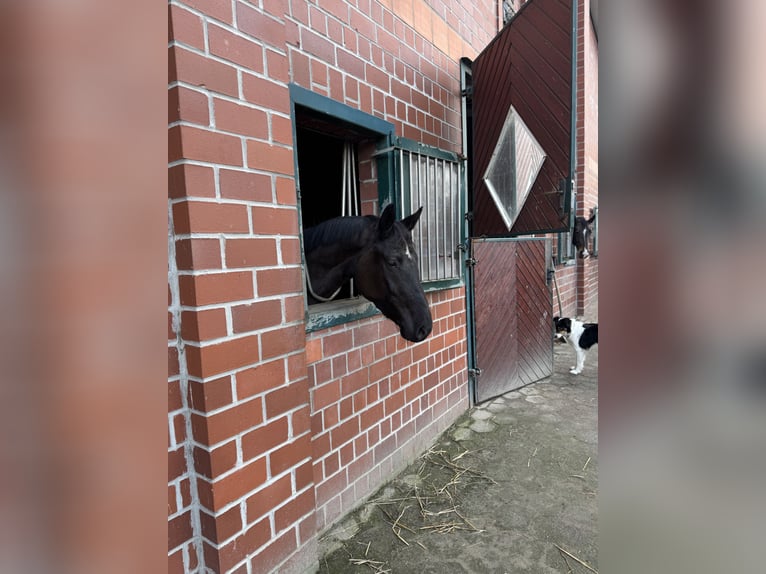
(330, 416)
(351, 64)
(218, 9)
(379, 79)
(360, 401)
(286, 194)
(176, 562)
(214, 462)
(233, 421)
(277, 67)
(174, 396)
(303, 476)
(179, 530)
(179, 428)
(290, 455)
(251, 253)
(275, 553)
(282, 341)
(269, 497)
(277, 8)
(188, 105)
(338, 8)
(271, 158)
(236, 49)
(300, 68)
(263, 439)
(256, 316)
(245, 186)
(384, 448)
(279, 281)
(261, 26)
(219, 528)
(337, 343)
(346, 408)
(191, 68)
(210, 395)
(322, 372)
(354, 382)
(296, 367)
(294, 510)
(241, 120)
(362, 24)
(191, 180)
(198, 290)
(236, 485)
(266, 93)
(198, 254)
(331, 463)
(186, 142)
(173, 365)
(282, 132)
(329, 488)
(210, 555)
(360, 466)
(326, 395)
(346, 454)
(320, 445)
(261, 378)
(176, 464)
(380, 370)
(244, 545)
(371, 416)
(344, 432)
(395, 402)
(318, 46)
(287, 398)
(290, 249)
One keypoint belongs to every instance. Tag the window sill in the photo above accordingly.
(326, 315)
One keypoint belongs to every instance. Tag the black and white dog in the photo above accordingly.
(582, 336)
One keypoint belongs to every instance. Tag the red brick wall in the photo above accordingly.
(377, 406)
(587, 152)
(566, 283)
(248, 458)
(578, 280)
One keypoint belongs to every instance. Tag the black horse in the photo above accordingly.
(378, 253)
(581, 234)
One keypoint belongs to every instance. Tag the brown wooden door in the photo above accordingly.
(522, 106)
(513, 314)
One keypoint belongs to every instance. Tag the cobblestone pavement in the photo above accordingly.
(510, 487)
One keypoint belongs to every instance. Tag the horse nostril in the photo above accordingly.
(423, 332)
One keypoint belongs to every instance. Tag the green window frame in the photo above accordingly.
(411, 175)
(396, 184)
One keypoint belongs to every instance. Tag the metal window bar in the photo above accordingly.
(350, 193)
(434, 184)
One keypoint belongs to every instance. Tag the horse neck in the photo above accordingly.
(339, 240)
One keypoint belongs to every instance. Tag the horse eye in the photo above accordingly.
(393, 262)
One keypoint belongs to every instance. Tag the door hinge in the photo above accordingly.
(475, 372)
(469, 216)
(470, 261)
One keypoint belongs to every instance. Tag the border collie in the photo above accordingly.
(582, 336)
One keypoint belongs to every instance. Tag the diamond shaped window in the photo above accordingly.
(513, 168)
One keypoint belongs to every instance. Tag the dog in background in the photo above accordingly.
(582, 336)
(582, 232)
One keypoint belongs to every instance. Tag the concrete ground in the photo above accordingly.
(510, 487)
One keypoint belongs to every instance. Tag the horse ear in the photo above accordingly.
(387, 219)
(410, 221)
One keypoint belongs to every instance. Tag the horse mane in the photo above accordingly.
(339, 230)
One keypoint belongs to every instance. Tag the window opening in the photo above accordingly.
(328, 171)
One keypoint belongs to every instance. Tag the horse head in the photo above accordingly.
(387, 273)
